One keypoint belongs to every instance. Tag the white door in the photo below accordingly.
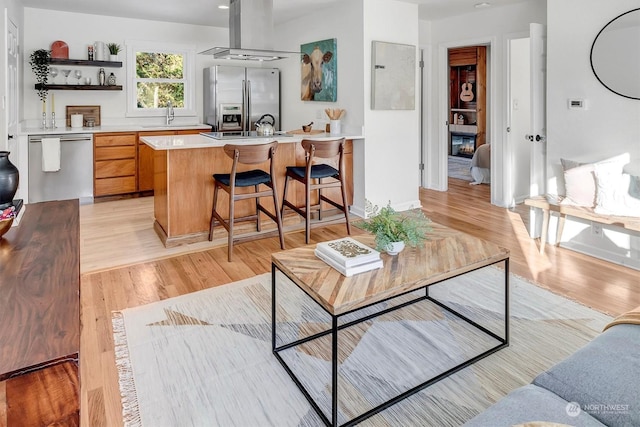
(10, 101)
(518, 148)
(537, 135)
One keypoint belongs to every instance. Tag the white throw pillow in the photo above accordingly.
(580, 181)
(570, 164)
(580, 186)
(617, 193)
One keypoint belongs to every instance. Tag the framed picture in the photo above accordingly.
(319, 71)
(393, 80)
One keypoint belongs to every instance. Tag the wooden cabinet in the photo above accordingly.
(146, 153)
(115, 161)
(467, 94)
(123, 164)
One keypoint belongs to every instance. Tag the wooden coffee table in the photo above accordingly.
(447, 254)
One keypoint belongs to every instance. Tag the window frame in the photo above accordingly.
(188, 53)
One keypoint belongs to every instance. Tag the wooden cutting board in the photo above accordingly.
(87, 111)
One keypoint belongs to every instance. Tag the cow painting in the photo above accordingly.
(319, 71)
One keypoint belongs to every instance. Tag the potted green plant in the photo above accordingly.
(394, 229)
(39, 61)
(114, 49)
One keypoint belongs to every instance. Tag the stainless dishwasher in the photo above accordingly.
(74, 180)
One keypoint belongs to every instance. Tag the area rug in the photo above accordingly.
(459, 168)
(204, 359)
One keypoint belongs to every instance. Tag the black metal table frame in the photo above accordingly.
(503, 342)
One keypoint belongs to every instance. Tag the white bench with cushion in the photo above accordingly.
(550, 204)
(598, 192)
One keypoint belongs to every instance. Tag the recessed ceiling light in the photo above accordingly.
(481, 5)
(222, 6)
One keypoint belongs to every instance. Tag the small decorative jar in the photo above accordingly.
(111, 81)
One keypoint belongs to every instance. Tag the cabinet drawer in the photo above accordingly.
(114, 153)
(115, 139)
(120, 185)
(113, 168)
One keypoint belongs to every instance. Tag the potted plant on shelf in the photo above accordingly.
(394, 230)
(114, 49)
(39, 61)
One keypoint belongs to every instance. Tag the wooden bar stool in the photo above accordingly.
(250, 155)
(312, 176)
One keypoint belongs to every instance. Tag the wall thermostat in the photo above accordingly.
(577, 104)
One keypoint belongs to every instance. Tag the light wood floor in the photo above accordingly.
(604, 286)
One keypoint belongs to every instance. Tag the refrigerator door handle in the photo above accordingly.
(248, 104)
(245, 121)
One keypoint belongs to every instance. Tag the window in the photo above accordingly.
(158, 73)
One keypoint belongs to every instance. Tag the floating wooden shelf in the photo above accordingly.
(77, 87)
(83, 62)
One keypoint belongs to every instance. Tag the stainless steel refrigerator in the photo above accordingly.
(236, 97)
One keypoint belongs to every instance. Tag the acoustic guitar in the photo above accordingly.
(466, 95)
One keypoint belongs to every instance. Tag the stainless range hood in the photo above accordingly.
(250, 33)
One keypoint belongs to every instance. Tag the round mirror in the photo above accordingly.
(615, 55)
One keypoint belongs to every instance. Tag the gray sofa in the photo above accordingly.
(598, 385)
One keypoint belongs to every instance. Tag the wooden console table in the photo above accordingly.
(39, 288)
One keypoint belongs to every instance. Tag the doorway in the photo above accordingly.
(467, 136)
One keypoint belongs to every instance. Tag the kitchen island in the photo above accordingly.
(183, 169)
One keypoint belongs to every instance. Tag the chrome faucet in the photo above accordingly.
(170, 114)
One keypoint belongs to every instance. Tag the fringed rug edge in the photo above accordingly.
(128, 393)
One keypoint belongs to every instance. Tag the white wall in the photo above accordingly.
(344, 23)
(392, 146)
(610, 125)
(42, 27)
(488, 26)
(386, 163)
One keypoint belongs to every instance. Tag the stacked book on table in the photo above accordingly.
(348, 256)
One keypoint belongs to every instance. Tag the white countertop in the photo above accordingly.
(173, 142)
(113, 128)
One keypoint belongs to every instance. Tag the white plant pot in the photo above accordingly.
(113, 58)
(395, 248)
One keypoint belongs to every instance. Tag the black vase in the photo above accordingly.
(8, 180)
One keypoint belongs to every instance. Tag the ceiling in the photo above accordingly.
(206, 12)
